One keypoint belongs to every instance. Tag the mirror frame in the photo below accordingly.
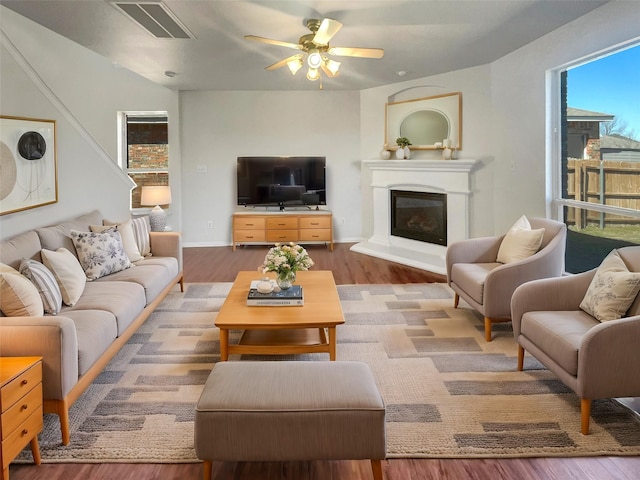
(448, 104)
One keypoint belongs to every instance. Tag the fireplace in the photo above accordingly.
(447, 181)
(420, 216)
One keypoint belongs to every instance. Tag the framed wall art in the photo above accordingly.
(28, 163)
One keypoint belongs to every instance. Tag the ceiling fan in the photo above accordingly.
(315, 48)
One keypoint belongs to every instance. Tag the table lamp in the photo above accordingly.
(156, 195)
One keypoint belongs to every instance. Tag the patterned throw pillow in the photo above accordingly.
(100, 254)
(18, 296)
(612, 290)
(141, 228)
(46, 284)
(128, 237)
(69, 274)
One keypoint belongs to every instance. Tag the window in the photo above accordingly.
(599, 156)
(145, 150)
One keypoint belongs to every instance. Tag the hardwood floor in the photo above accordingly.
(220, 264)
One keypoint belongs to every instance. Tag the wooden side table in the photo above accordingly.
(21, 406)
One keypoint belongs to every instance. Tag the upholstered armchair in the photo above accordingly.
(596, 359)
(476, 275)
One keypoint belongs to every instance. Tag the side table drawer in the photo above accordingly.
(249, 236)
(315, 222)
(14, 443)
(315, 234)
(282, 223)
(21, 410)
(19, 386)
(282, 235)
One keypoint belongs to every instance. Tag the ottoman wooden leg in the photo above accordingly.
(376, 468)
(207, 469)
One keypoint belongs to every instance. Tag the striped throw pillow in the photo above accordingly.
(46, 284)
(141, 228)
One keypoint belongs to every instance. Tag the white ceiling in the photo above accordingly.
(420, 37)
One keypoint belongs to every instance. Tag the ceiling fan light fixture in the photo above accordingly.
(294, 65)
(333, 66)
(314, 60)
(313, 74)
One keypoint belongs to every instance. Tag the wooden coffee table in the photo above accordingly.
(270, 330)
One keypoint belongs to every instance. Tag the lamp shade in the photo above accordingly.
(155, 195)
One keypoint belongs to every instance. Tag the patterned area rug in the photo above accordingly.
(448, 393)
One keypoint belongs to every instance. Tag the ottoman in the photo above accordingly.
(290, 411)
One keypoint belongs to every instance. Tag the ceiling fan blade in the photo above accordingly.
(328, 28)
(356, 52)
(282, 63)
(272, 42)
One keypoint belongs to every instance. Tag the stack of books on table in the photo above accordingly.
(291, 297)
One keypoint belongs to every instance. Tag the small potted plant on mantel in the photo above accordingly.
(403, 150)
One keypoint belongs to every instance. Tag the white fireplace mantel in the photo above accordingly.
(451, 177)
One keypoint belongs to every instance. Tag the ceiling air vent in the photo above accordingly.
(155, 18)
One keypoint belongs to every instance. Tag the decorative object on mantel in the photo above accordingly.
(285, 261)
(403, 150)
(385, 154)
(28, 165)
(426, 120)
(447, 152)
(156, 195)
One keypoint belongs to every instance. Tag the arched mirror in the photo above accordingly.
(426, 122)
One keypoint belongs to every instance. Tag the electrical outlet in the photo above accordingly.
(342, 222)
(201, 169)
(209, 224)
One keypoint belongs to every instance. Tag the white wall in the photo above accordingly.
(218, 127)
(43, 75)
(504, 107)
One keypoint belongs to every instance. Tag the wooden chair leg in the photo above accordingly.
(585, 413)
(520, 358)
(376, 468)
(487, 329)
(456, 300)
(207, 469)
(181, 282)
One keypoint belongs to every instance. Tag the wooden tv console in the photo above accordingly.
(273, 227)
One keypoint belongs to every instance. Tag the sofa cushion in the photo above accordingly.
(46, 284)
(558, 334)
(125, 300)
(18, 296)
(470, 278)
(59, 236)
(69, 274)
(153, 277)
(612, 289)
(520, 242)
(96, 330)
(101, 253)
(25, 245)
(128, 237)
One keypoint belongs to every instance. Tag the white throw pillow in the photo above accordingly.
(100, 254)
(69, 274)
(45, 283)
(18, 296)
(141, 228)
(612, 290)
(520, 242)
(128, 238)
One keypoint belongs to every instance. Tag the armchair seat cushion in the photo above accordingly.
(558, 334)
(470, 277)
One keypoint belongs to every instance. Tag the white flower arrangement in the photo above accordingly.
(284, 259)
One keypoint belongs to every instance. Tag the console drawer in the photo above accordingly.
(315, 235)
(282, 236)
(249, 236)
(241, 222)
(282, 223)
(315, 222)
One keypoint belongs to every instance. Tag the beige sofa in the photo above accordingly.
(79, 341)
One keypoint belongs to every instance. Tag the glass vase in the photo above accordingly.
(285, 279)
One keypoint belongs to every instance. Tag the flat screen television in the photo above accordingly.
(281, 181)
